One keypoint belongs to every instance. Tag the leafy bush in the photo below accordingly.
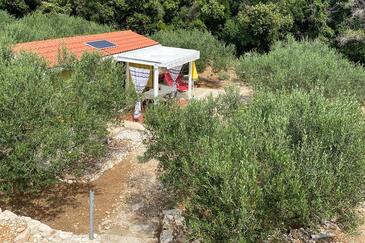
(244, 172)
(245, 23)
(305, 65)
(212, 51)
(39, 26)
(5, 19)
(19, 8)
(352, 44)
(49, 126)
(258, 26)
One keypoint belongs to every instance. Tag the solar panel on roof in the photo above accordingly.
(101, 44)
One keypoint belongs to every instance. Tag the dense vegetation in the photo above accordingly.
(305, 65)
(244, 172)
(291, 157)
(38, 27)
(248, 24)
(50, 127)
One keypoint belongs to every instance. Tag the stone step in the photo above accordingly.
(109, 238)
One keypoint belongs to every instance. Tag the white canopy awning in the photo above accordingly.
(158, 55)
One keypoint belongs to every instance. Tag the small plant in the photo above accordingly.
(222, 75)
(244, 172)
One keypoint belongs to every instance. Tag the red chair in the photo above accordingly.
(180, 84)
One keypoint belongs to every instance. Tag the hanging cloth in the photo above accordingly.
(174, 73)
(139, 76)
(195, 72)
(149, 67)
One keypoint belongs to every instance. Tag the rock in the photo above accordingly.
(21, 228)
(7, 215)
(173, 216)
(132, 135)
(134, 125)
(64, 235)
(36, 237)
(166, 236)
(44, 228)
(137, 206)
(173, 224)
(322, 235)
(23, 236)
(330, 225)
(144, 228)
(121, 239)
(106, 222)
(25, 229)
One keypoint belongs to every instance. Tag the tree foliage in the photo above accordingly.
(38, 26)
(351, 38)
(304, 65)
(50, 127)
(249, 24)
(246, 172)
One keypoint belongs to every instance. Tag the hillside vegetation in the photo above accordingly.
(247, 24)
(39, 27)
(245, 172)
(51, 127)
(305, 65)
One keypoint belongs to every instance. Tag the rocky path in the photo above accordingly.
(134, 210)
(128, 200)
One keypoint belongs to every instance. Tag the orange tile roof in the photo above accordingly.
(49, 49)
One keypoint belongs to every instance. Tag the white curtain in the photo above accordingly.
(140, 77)
(175, 72)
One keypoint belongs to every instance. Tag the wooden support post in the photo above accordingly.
(190, 84)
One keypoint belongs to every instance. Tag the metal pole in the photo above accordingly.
(91, 215)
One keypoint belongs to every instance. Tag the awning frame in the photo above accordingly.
(160, 56)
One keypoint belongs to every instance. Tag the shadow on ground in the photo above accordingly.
(47, 204)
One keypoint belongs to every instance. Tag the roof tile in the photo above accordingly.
(49, 49)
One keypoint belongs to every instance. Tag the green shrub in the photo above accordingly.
(49, 126)
(303, 65)
(212, 51)
(39, 26)
(259, 26)
(5, 19)
(99, 84)
(352, 44)
(244, 172)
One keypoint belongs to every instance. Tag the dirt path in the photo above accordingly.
(74, 218)
(359, 235)
(128, 197)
